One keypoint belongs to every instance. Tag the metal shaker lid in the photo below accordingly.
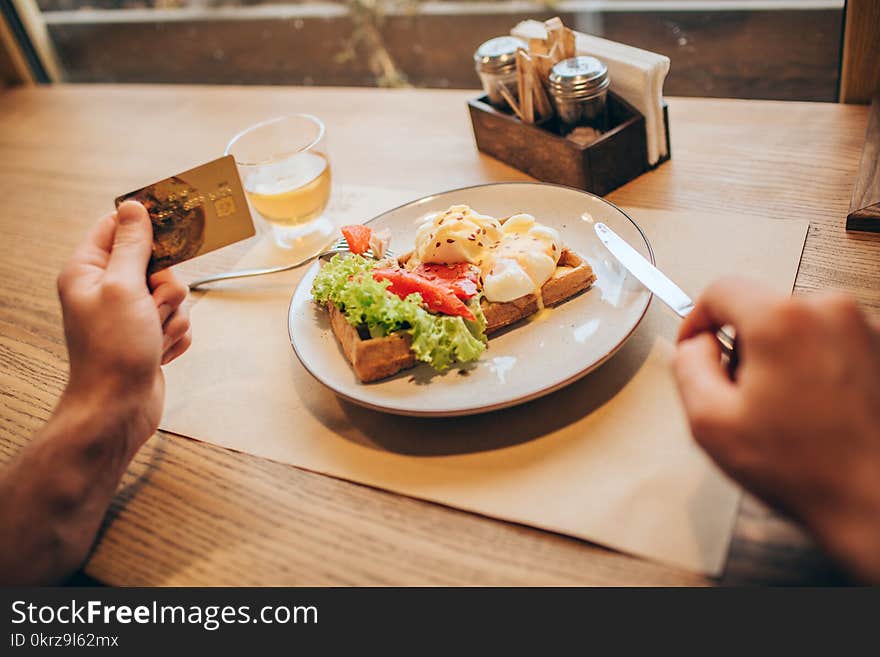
(498, 54)
(581, 76)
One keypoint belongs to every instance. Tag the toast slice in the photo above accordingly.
(573, 274)
(371, 358)
(377, 358)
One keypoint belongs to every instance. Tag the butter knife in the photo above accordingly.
(658, 283)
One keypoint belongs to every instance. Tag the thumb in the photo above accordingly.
(708, 395)
(132, 244)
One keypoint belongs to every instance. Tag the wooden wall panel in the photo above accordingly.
(779, 54)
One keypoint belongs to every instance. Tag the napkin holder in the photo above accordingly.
(617, 156)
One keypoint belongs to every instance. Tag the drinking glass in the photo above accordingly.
(285, 172)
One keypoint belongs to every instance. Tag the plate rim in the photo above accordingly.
(488, 408)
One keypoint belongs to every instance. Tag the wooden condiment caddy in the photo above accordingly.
(864, 206)
(617, 156)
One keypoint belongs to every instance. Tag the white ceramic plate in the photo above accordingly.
(525, 362)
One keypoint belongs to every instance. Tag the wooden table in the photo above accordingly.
(189, 513)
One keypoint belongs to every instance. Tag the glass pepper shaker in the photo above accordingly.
(578, 89)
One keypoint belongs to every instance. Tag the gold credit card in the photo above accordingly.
(195, 212)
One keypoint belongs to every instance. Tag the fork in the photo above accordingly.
(339, 246)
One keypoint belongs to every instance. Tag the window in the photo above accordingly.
(784, 49)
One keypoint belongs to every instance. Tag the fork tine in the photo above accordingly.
(341, 246)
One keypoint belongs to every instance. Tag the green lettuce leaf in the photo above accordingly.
(439, 340)
(334, 275)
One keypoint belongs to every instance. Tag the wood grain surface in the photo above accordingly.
(189, 513)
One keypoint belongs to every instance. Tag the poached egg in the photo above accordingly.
(458, 234)
(515, 257)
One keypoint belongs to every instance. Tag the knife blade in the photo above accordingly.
(658, 283)
(651, 277)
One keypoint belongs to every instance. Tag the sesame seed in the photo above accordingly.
(450, 241)
(479, 244)
(438, 244)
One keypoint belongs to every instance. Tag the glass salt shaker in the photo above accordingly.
(495, 61)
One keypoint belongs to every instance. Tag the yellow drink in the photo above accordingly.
(292, 192)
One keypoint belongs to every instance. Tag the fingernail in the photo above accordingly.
(128, 213)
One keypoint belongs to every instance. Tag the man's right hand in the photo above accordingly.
(799, 424)
(121, 327)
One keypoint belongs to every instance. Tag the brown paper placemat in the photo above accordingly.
(608, 459)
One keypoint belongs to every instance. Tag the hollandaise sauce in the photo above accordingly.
(522, 261)
(516, 257)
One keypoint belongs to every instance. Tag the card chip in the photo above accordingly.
(195, 212)
(224, 206)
